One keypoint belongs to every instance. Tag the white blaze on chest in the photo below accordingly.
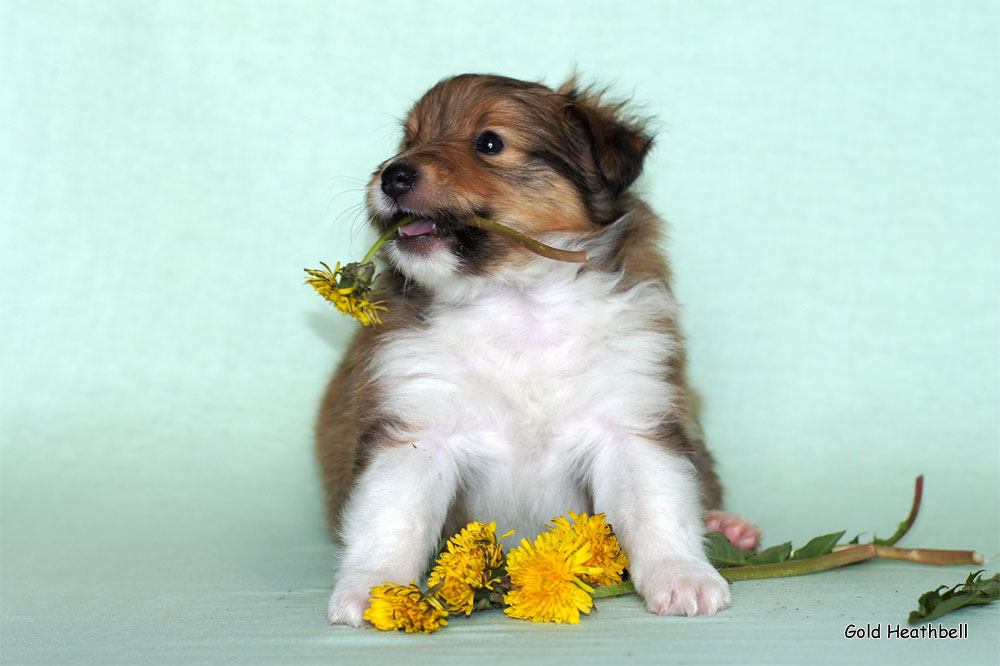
(494, 381)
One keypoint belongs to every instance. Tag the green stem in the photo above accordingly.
(904, 527)
(757, 571)
(809, 565)
(539, 248)
(937, 557)
(851, 555)
(834, 560)
(616, 590)
(386, 236)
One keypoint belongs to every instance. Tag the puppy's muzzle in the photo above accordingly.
(398, 179)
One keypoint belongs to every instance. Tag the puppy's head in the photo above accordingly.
(539, 160)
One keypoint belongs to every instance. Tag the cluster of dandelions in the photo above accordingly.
(549, 580)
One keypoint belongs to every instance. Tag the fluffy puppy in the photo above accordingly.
(509, 387)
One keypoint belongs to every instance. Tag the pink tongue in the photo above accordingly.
(416, 228)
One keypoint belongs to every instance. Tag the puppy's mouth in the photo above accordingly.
(422, 226)
(427, 231)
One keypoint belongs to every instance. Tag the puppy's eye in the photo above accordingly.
(489, 143)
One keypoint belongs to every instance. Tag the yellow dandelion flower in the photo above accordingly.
(547, 577)
(606, 552)
(470, 562)
(394, 606)
(349, 289)
(456, 595)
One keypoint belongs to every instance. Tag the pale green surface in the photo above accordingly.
(167, 169)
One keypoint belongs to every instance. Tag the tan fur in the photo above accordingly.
(351, 423)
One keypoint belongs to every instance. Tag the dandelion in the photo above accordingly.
(547, 577)
(471, 563)
(349, 289)
(606, 553)
(394, 606)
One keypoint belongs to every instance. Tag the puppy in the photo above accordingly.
(505, 386)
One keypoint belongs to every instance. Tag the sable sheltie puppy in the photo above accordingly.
(508, 387)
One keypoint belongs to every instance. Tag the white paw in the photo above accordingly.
(679, 586)
(348, 604)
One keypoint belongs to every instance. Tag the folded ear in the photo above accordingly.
(616, 143)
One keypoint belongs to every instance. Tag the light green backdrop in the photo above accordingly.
(831, 172)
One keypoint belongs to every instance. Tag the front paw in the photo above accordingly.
(679, 586)
(348, 604)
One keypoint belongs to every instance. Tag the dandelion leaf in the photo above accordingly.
(722, 553)
(974, 592)
(772, 555)
(817, 546)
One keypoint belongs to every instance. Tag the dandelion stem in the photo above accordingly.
(809, 565)
(539, 248)
(904, 527)
(616, 590)
(386, 236)
(941, 558)
(834, 560)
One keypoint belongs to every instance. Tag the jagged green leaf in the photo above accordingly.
(772, 555)
(722, 553)
(974, 592)
(817, 546)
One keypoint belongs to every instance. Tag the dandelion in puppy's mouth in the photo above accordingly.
(350, 288)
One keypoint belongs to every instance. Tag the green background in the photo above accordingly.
(831, 172)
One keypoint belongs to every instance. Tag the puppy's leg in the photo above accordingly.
(738, 529)
(391, 524)
(650, 496)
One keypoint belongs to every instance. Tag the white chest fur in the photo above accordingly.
(520, 404)
(510, 385)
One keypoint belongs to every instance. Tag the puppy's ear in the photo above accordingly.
(616, 143)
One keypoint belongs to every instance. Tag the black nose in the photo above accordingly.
(398, 179)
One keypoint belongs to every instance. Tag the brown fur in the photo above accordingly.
(568, 161)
